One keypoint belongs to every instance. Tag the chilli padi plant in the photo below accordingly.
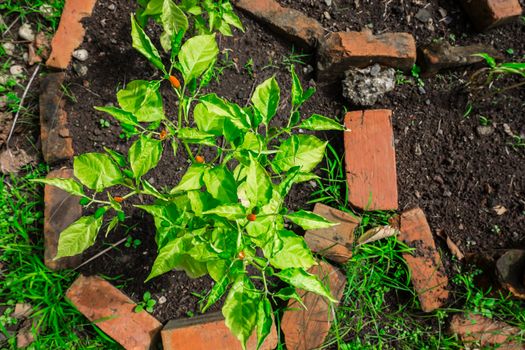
(226, 217)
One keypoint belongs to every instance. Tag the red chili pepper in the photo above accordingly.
(163, 134)
(119, 199)
(241, 255)
(251, 217)
(199, 159)
(174, 82)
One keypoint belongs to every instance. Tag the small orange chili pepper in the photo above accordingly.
(251, 217)
(174, 82)
(163, 134)
(199, 159)
(241, 255)
(119, 199)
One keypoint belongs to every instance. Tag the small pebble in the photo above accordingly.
(16, 69)
(46, 10)
(112, 7)
(485, 130)
(327, 15)
(9, 48)
(80, 69)
(26, 32)
(328, 2)
(81, 55)
(162, 300)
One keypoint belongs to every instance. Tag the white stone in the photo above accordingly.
(16, 69)
(9, 48)
(46, 10)
(81, 55)
(26, 32)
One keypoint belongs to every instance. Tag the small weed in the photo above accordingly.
(249, 67)
(468, 110)
(104, 123)
(484, 121)
(510, 51)
(496, 229)
(132, 243)
(147, 303)
(401, 78)
(518, 141)
(294, 58)
(416, 71)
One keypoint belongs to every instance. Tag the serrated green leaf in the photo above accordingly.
(173, 21)
(96, 171)
(265, 99)
(78, 236)
(309, 221)
(319, 122)
(191, 180)
(196, 55)
(144, 154)
(240, 309)
(68, 185)
(294, 253)
(142, 98)
(305, 151)
(304, 280)
(143, 44)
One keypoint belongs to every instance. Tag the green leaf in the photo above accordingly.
(319, 122)
(305, 151)
(264, 320)
(303, 280)
(206, 121)
(112, 224)
(78, 236)
(228, 211)
(294, 253)
(217, 292)
(120, 115)
(173, 21)
(230, 17)
(258, 184)
(142, 99)
(192, 180)
(297, 89)
(287, 293)
(265, 99)
(197, 54)
(309, 221)
(240, 309)
(221, 185)
(96, 171)
(218, 107)
(117, 157)
(191, 135)
(144, 154)
(68, 185)
(143, 44)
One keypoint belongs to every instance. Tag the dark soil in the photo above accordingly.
(444, 166)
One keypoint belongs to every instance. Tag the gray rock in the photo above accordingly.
(9, 48)
(423, 15)
(80, 69)
(485, 130)
(16, 69)
(81, 55)
(365, 86)
(26, 32)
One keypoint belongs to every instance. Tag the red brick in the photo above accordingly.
(334, 243)
(306, 329)
(341, 51)
(291, 23)
(371, 160)
(439, 56)
(485, 332)
(70, 33)
(61, 210)
(426, 268)
(112, 312)
(487, 14)
(57, 144)
(208, 332)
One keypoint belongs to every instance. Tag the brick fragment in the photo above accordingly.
(487, 14)
(208, 332)
(70, 33)
(334, 243)
(440, 56)
(371, 160)
(61, 210)
(293, 24)
(306, 329)
(113, 312)
(57, 144)
(483, 331)
(341, 51)
(427, 275)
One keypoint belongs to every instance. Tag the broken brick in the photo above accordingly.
(483, 331)
(334, 243)
(57, 144)
(426, 268)
(208, 332)
(371, 160)
(113, 312)
(61, 210)
(70, 33)
(341, 51)
(487, 14)
(440, 56)
(306, 329)
(295, 25)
